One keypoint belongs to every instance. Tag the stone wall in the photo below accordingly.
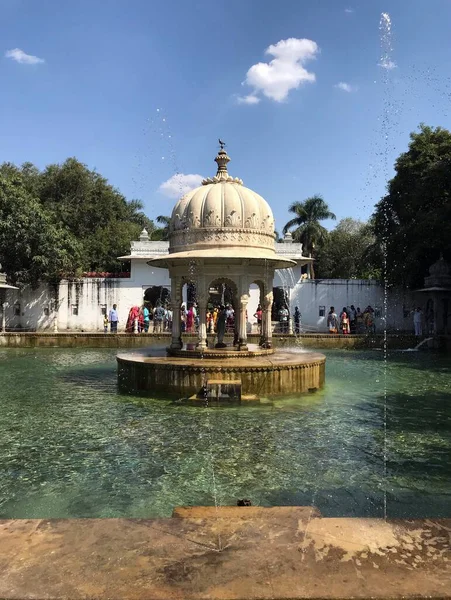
(121, 340)
(314, 297)
(81, 302)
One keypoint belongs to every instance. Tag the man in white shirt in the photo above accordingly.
(113, 319)
(417, 322)
(283, 318)
(168, 319)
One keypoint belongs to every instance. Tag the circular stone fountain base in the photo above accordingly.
(281, 373)
(221, 353)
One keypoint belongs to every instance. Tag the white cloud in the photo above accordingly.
(349, 11)
(346, 87)
(388, 64)
(285, 72)
(180, 184)
(250, 99)
(22, 57)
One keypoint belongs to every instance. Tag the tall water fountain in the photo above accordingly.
(222, 233)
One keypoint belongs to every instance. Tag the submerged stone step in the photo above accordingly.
(246, 512)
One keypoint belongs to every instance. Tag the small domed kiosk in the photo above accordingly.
(222, 233)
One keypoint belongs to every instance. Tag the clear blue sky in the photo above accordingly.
(124, 84)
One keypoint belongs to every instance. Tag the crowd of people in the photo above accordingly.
(147, 318)
(351, 320)
(158, 319)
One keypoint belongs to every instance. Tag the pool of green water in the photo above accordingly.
(376, 438)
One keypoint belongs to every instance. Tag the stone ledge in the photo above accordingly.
(130, 340)
(277, 557)
(245, 512)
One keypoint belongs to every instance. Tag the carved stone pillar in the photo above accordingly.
(56, 305)
(267, 320)
(3, 305)
(202, 307)
(242, 324)
(236, 326)
(176, 301)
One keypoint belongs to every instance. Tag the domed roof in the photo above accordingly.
(438, 275)
(439, 268)
(221, 213)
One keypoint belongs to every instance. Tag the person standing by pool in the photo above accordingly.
(183, 318)
(221, 326)
(105, 323)
(158, 318)
(215, 317)
(368, 317)
(417, 321)
(190, 316)
(283, 319)
(332, 321)
(344, 321)
(209, 318)
(113, 319)
(297, 320)
(146, 315)
(359, 321)
(258, 315)
(352, 313)
(168, 319)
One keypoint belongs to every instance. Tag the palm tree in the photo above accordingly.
(308, 229)
(162, 233)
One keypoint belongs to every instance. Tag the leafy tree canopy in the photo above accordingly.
(33, 247)
(413, 221)
(350, 251)
(80, 205)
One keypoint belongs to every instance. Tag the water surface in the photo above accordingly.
(71, 446)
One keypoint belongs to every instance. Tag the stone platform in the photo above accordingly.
(281, 373)
(314, 341)
(241, 553)
(221, 353)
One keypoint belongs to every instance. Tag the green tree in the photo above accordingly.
(349, 252)
(32, 247)
(413, 221)
(306, 225)
(84, 204)
(161, 233)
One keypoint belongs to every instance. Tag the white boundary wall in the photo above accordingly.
(81, 302)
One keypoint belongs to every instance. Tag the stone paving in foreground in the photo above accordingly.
(226, 553)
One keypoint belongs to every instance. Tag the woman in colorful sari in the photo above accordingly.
(132, 315)
(190, 319)
(140, 320)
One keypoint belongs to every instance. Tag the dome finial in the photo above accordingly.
(222, 176)
(222, 159)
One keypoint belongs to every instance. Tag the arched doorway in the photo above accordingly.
(224, 291)
(156, 293)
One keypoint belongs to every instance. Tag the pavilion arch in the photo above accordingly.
(156, 293)
(231, 284)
